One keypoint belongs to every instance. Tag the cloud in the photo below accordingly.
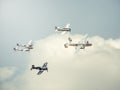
(6, 72)
(96, 67)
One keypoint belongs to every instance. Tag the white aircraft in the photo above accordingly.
(64, 30)
(29, 45)
(79, 45)
(24, 47)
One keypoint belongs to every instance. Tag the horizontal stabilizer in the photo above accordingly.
(67, 26)
(70, 40)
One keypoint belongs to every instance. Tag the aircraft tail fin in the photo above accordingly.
(67, 25)
(14, 49)
(47, 69)
(56, 28)
(30, 42)
(69, 39)
(18, 44)
(66, 45)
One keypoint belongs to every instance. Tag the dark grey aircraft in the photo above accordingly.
(41, 69)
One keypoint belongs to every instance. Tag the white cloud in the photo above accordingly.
(6, 72)
(96, 67)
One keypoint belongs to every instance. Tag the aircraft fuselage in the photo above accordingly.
(73, 44)
(64, 29)
(39, 68)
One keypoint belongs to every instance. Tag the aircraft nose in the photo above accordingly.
(32, 65)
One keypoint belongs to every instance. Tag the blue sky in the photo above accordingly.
(23, 20)
(38, 18)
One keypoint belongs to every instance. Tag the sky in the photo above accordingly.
(93, 68)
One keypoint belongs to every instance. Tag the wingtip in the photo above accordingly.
(14, 49)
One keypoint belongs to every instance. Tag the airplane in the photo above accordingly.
(41, 69)
(24, 47)
(29, 45)
(78, 45)
(64, 29)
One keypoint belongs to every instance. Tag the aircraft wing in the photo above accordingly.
(67, 26)
(18, 48)
(77, 48)
(81, 45)
(86, 35)
(63, 32)
(25, 49)
(44, 65)
(85, 38)
(70, 40)
(30, 42)
(41, 71)
(21, 45)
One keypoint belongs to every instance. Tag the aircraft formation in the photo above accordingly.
(80, 45)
